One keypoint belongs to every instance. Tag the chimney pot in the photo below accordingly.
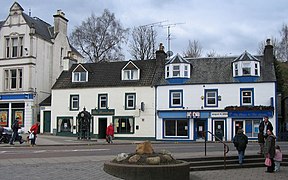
(268, 41)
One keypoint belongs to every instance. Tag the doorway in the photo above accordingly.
(102, 125)
(219, 130)
(200, 128)
(47, 121)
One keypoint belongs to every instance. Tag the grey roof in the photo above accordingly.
(42, 28)
(219, 71)
(177, 59)
(46, 102)
(1, 23)
(108, 74)
(246, 57)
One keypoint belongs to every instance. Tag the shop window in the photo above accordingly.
(4, 108)
(252, 128)
(178, 128)
(65, 125)
(124, 125)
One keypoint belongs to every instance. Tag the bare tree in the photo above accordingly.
(283, 44)
(194, 49)
(100, 38)
(212, 53)
(143, 42)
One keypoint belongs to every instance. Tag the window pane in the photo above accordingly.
(176, 98)
(170, 128)
(124, 125)
(20, 77)
(7, 47)
(6, 79)
(13, 78)
(83, 76)
(14, 47)
(103, 101)
(182, 128)
(246, 71)
(176, 71)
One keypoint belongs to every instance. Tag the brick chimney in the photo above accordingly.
(268, 52)
(160, 55)
(60, 23)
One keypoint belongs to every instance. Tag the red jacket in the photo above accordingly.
(110, 130)
(34, 128)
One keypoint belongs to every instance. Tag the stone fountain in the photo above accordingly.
(146, 164)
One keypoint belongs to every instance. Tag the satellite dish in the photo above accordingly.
(169, 53)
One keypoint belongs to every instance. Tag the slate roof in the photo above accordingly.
(177, 59)
(108, 74)
(246, 57)
(42, 28)
(1, 23)
(219, 71)
(46, 102)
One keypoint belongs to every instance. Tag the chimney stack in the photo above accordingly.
(269, 52)
(60, 23)
(160, 54)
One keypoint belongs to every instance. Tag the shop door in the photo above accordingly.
(219, 130)
(200, 128)
(102, 125)
(47, 121)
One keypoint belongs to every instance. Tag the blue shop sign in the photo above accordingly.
(250, 114)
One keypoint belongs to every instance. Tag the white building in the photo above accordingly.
(117, 92)
(219, 95)
(32, 55)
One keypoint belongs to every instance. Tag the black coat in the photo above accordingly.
(240, 141)
(261, 127)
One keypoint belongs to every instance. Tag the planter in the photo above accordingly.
(144, 172)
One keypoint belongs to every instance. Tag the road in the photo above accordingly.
(13, 152)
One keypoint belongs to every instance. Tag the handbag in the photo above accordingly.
(31, 136)
(268, 162)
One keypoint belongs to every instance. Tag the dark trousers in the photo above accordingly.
(33, 141)
(15, 136)
(271, 168)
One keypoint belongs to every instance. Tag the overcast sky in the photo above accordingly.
(228, 27)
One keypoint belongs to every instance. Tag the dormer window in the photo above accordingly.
(80, 74)
(177, 67)
(130, 72)
(246, 65)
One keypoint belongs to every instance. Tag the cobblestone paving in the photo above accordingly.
(94, 170)
(55, 171)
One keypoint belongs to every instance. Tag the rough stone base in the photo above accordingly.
(147, 172)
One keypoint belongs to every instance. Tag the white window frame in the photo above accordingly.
(131, 74)
(176, 95)
(130, 97)
(207, 97)
(80, 76)
(74, 99)
(103, 98)
(14, 46)
(13, 82)
(176, 71)
(244, 96)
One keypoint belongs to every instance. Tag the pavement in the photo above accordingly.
(91, 167)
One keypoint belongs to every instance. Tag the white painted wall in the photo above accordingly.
(116, 100)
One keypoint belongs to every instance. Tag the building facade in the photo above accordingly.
(197, 97)
(32, 55)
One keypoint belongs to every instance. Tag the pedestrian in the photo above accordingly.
(240, 141)
(262, 135)
(269, 150)
(34, 131)
(277, 158)
(15, 136)
(110, 133)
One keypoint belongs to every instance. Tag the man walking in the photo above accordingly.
(15, 136)
(240, 141)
